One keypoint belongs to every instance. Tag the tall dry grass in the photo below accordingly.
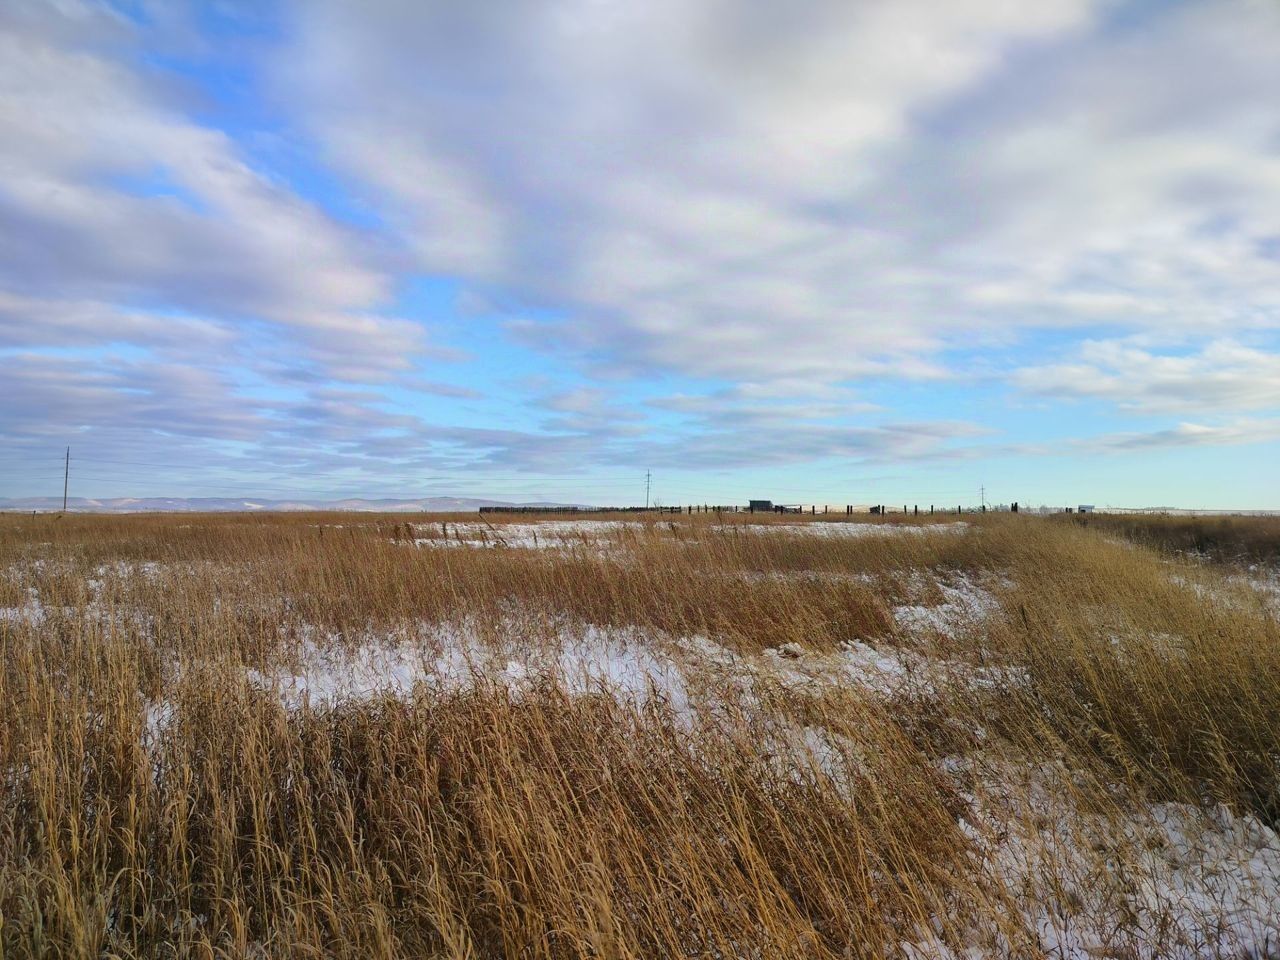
(155, 800)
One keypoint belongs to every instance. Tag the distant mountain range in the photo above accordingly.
(254, 504)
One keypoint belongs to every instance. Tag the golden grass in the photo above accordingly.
(159, 798)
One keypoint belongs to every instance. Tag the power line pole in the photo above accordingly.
(647, 476)
(66, 476)
(982, 495)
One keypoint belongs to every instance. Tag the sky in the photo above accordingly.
(831, 251)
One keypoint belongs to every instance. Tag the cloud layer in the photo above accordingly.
(722, 235)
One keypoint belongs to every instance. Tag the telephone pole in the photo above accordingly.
(66, 476)
(982, 496)
(646, 487)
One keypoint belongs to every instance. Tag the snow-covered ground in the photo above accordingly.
(449, 657)
(551, 534)
(627, 662)
(965, 603)
(1153, 881)
(560, 534)
(1147, 880)
(837, 528)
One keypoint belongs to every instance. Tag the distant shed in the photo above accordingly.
(1085, 508)
(760, 506)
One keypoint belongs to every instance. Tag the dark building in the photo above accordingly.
(758, 506)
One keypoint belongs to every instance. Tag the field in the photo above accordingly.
(334, 735)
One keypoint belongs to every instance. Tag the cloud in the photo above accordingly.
(1223, 375)
(437, 389)
(111, 194)
(690, 185)
(840, 192)
(1184, 435)
(806, 228)
(55, 398)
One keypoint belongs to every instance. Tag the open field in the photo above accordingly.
(332, 735)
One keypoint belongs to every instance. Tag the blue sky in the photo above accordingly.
(819, 252)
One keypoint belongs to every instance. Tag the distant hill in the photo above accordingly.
(254, 504)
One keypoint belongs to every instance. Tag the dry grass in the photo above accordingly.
(1220, 538)
(165, 792)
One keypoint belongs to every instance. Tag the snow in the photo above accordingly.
(1256, 586)
(835, 528)
(623, 662)
(1265, 584)
(965, 604)
(556, 535)
(32, 612)
(1147, 881)
(560, 534)
(448, 658)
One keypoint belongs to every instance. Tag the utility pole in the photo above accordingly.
(66, 476)
(982, 495)
(646, 488)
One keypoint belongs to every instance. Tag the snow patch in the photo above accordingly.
(552, 535)
(1154, 881)
(838, 529)
(581, 661)
(964, 605)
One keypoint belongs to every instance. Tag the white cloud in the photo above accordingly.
(690, 183)
(761, 204)
(1224, 375)
(109, 193)
(1183, 435)
(30, 322)
(821, 191)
